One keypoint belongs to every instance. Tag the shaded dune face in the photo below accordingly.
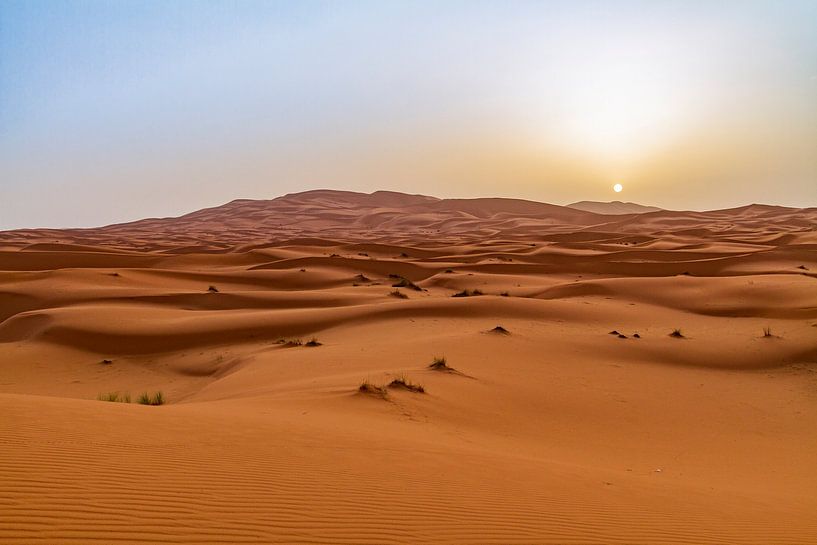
(541, 427)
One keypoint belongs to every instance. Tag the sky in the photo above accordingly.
(112, 111)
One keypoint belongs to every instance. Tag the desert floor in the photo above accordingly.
(555, 431)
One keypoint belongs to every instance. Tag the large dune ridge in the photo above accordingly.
(561, 427)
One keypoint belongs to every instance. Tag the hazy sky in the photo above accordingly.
(118, 110)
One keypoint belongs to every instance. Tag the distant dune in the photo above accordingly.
(613, 207)
(568, 409)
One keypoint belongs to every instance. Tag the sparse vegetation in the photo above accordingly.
(406, 283)
(466, 293)
(114, 274)
(449, 271)
(107, 362)
(440, 364)
(403, 254)
(803, 267)
(500, 330)
(212, 289)
(290, 342)
(114, 397)
(303, 270)
(405, 384)
(368, 388)
(636, 336)
(622, 336)
(505, 294)
(154, 400)
(676, 333)
(614, 332)
(362, 278)
(313, 342)
(767, 332)
(399, 294)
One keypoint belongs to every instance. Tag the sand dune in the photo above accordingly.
(557, 432)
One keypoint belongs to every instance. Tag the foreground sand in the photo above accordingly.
(557, 432)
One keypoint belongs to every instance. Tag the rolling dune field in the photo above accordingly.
(543, 427)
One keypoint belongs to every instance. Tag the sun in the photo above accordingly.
(617, 188)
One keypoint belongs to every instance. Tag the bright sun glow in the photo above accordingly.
(617, 188)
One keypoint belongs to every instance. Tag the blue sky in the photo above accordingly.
(112, 111)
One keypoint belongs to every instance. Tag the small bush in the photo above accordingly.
(500, 330)
(212, 289)
(313, 342)
(107, 362)
(676, 333)
(767, 332)
(362, 278)
(449, 271)
(505, 294)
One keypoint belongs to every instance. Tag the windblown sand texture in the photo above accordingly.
(553, 431)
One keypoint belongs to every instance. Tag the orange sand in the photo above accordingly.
(556, 433)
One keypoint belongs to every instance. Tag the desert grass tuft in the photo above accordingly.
(146, 399)
(313, 342)
(367, 388)
(676, 333)
(466, 293)
(212, 289)
(406, 283)
(107, 362)
(362, 278)
(440, 364)
(404, 383)
(399, 294)
(767, 332)
(113, 397)
(500, 330)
